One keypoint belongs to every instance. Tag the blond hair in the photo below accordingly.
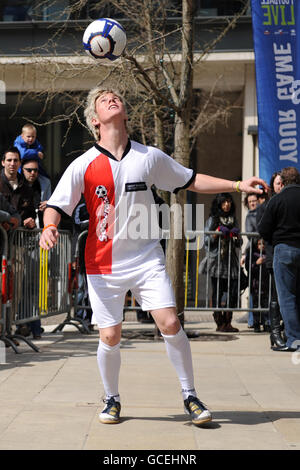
(90, 111)
(28, 127)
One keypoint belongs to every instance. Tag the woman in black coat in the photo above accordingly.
(221, 262)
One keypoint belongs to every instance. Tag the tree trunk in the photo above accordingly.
(176, 244)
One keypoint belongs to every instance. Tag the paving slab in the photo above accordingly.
(50, 400)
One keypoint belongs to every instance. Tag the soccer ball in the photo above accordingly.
(101, 191)
(104, 39)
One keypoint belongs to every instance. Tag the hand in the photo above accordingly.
(243, 259)
(224, 230)
(29, 223)
(41, 155)
(6, 226)
(42, 205)
(14, 222)
(248, 186)
(234, 232)
(49, 238)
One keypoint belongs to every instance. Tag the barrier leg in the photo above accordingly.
(79, 323)
(186, 272)
(5, 337)
(83, 327)
(27, 341)
(9, 342)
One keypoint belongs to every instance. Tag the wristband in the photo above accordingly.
(49, 225)
(237, 187)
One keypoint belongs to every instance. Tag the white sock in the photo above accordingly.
(109, 363)
(179, 353)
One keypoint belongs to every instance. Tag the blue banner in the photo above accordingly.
(276, 33)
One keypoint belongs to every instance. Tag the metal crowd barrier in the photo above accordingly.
(77, 282)
(198, 284)
(38, 282)
(4, 286)
(198, 288)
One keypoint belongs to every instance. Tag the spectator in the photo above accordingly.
(275, 317)
(280, 225)
(221, 260)
(259, 289)
(30, 169)
(15, 189)
(17, 192)
(276, 183)
(9, 218)
(261, 198)
(250, 201)
(29, 146)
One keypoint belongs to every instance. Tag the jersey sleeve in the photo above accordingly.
(168, 174)
(68, 191)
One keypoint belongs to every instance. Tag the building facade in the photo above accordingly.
(32, 62)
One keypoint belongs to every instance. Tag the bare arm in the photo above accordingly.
(50, 234)
(210, 185)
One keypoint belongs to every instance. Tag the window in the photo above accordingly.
(15, 10)
(219, 7)
(37, 10)
(62, 10)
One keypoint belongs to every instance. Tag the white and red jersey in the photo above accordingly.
(113, 190)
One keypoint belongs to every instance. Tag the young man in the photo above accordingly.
(115, 176)
(15, 189)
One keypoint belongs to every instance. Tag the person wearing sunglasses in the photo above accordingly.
(30, 170)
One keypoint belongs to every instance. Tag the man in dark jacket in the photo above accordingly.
(280, 225)
(15, 189)
(30, 170)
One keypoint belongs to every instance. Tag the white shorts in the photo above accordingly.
(151, 287)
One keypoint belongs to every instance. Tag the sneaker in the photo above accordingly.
(196, 409)
(111, 412)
